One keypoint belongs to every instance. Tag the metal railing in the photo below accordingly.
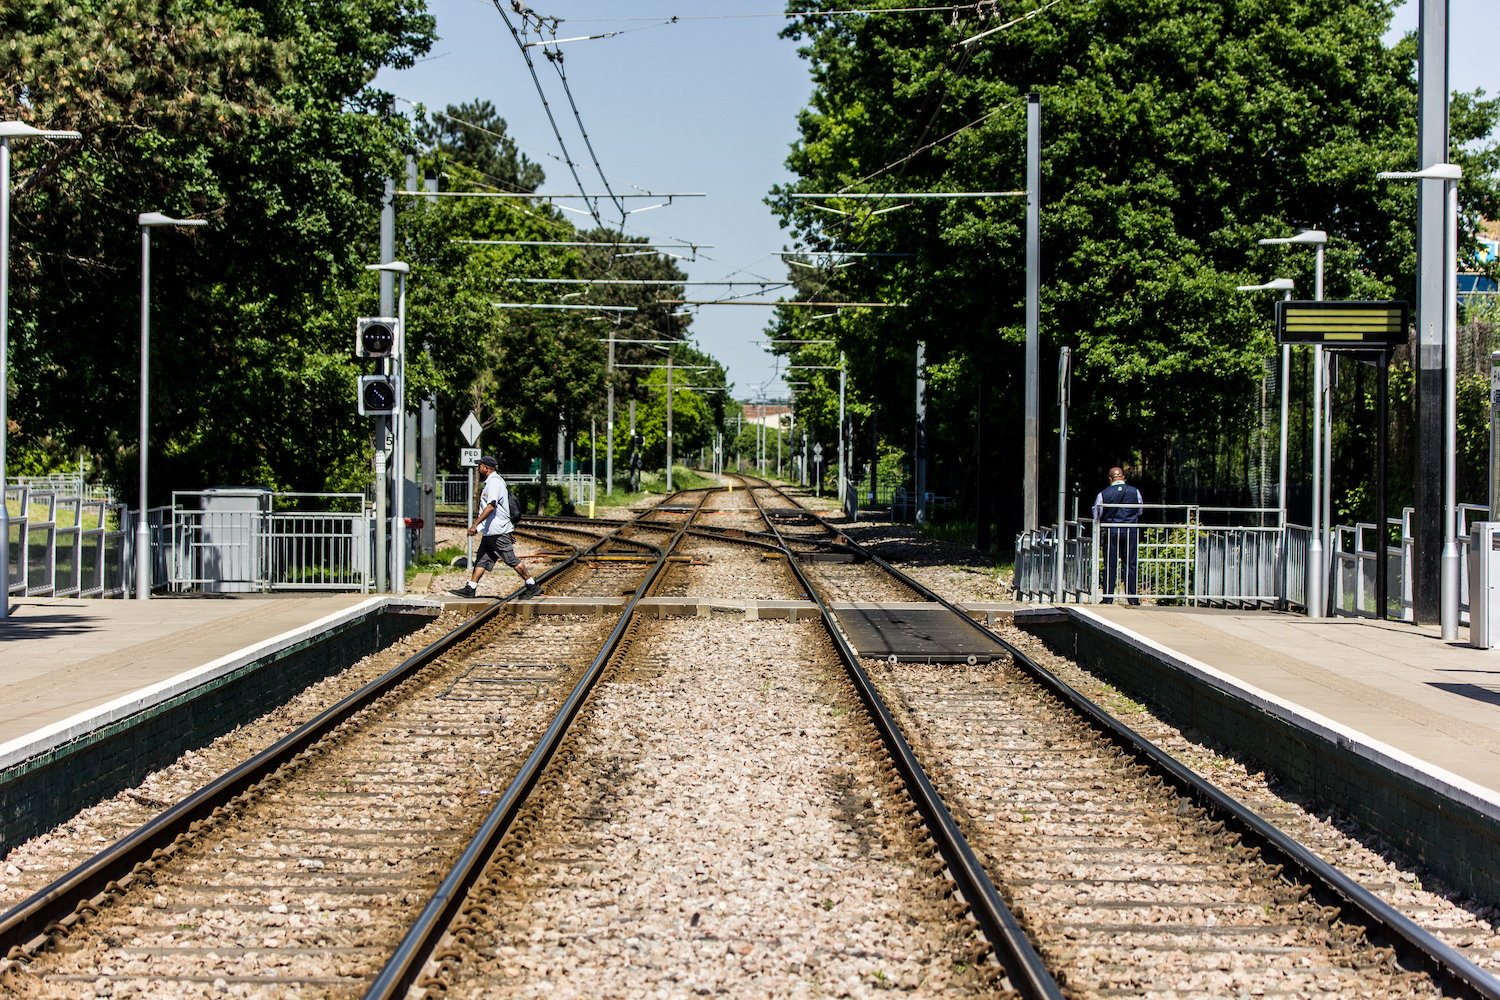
(63, 545)
(578, 487)
(1229, 556)
(254, 546)
(66, 484)
(1352, 590)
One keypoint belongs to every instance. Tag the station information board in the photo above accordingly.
(1371, 325)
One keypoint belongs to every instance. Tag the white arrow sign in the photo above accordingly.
(471, 429)
(468, 457)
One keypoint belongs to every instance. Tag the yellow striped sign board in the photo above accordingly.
(1343, 324)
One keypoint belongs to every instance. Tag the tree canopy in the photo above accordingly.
(1175, 133)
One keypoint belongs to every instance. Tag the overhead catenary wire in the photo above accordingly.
(640, 281)
(556, 59)
(581, 243)
(545, 196)
(548, 108)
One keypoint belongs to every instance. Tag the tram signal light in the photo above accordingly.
(377, 395)
(375, 337)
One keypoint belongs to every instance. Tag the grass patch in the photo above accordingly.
(439, 562)
(654, 484)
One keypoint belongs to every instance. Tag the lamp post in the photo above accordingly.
(9, 131)
(148, 221)
(1285, 285)
(398, 473)
(1449, 174)
(1322, 433)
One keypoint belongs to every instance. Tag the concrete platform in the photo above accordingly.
(1396, 682)
(60, 657)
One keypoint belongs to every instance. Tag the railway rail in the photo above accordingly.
(1113, 850)
(623, 811)
(331, 838)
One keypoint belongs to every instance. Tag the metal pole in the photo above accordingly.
(669, 423)
(609, 422)
(1064, 393)
(398, 536)
(1382, 561)
(1281, 488)
(1315, 575)
(427, 449)
(382, 424)
(981, 495)
(921, 456)
(843, 389)
(142, 530)
(1031, 518)
(469, 539)
(1450, 593)
(593, 461)
(1432, 147)
(1330, 363)
(1494, 496)
(5, 377)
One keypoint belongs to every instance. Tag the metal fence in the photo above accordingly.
(234, 542)
(578, 487)
(1227, 556)
(63, 545)
(1354, 547)
(66, 484)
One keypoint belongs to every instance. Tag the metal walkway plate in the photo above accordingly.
(914, 633)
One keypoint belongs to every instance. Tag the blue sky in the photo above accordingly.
(707, 104)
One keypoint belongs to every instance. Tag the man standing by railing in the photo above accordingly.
(1117, 508)
(494, 528)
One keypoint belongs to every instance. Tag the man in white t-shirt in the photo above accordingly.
(494, 528)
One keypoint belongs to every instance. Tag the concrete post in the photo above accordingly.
(1432, 147)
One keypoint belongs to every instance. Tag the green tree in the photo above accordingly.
(1175, 133)
(551, 368)
(255, 116)
(473, 134)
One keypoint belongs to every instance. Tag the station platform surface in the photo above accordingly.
(63, 656)
(1396, 682)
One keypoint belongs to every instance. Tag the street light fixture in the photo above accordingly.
(1322, 508)
(398, 473)
(1284, 285)
(148, 221)
(9, 131)
(1449, 174)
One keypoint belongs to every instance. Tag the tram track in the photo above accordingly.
(1133, 873)
(778, 815)
(621, 776)
(294, 866)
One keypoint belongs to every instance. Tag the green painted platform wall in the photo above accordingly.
(39, 793)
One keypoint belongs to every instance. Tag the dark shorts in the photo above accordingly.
(493, 548)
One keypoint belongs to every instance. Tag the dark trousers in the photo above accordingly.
(1119, 556)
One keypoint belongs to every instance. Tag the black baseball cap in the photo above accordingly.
(489, 460)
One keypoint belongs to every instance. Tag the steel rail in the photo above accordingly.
(1014, 950)
(1456, 974)
(25, 928)
(405, 964)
